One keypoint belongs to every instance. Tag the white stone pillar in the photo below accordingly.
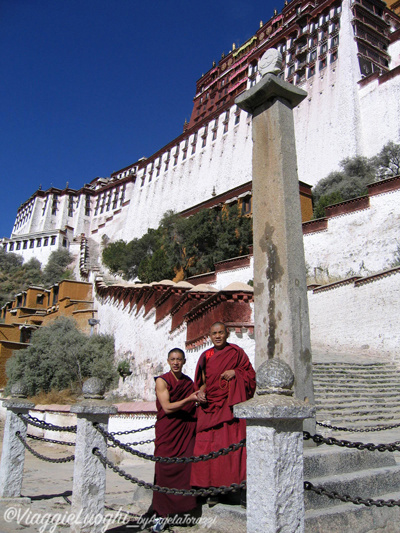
(274, 443)
(89, 484)
(13, 454)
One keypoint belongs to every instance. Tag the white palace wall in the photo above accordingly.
(327, 122)
(356, 243)
(220, 165)
(358, 318)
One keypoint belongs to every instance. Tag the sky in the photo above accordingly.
(88, 87)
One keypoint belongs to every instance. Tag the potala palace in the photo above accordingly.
(346, 55)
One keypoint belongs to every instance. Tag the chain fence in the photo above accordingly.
(348, 499)
(331, 441)
(211, 491)
(359, 430)
(50, 441)
(43, 457)
(169, 460)
(33, 421)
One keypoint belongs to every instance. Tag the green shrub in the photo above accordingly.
(61, 357)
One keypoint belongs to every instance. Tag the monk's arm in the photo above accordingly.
(201, 396)
(163, 397)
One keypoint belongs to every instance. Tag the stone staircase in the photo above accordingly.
(355, 473)
(357, 395)
(354, 395)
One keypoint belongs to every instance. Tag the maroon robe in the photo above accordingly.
(175, 435)
(216, 426)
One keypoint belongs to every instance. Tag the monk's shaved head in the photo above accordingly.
(219, 324)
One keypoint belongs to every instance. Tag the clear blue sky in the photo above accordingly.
(90, 86)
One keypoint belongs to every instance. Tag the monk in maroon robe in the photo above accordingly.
(175, 435)
(225, 377)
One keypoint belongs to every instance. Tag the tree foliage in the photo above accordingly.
(61, 357)
(182, 246)
(355, 174)
(16, 276)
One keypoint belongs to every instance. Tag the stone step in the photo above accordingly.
(351, 421)
(357, 407)
(355, 518)
(395, 375)
(327, 460)
(356, 388)
(359, 411)
(355, 380)
(368, 394)
(363, 483)
(388, 401)
(332, 403)
(345, 364)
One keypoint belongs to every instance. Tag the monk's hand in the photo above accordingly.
(201, 397)
(193, 397)
(228, 375)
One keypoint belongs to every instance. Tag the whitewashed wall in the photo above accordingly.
(357, 243)
(243, 274)
(361, 319)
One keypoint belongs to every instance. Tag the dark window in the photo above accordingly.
(53, 241)
(11, 246)
(55, 295)
(246, 206)
(65, 242)
(46, 241)
(38, 243)
(18, 245)
(25, 246)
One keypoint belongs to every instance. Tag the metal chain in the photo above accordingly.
(319, 439)
(116, 433)
(132, 443)
(346, 498)
(42, 439)
(43, 457)
(211, 491)
(358, 430)
(33, 421)
(168, 460)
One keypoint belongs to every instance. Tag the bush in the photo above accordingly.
(182, 247)
(357, 172)
(61, 357)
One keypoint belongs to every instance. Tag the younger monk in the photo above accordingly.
(225, 377)
(175, 435)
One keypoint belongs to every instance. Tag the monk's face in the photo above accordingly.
(176, 362)
(218, 336)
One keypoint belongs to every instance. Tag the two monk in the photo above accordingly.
(224, 377)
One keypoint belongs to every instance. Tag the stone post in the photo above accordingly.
(274, 420)
(89, 484)
(281, 320)
(13, 454)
